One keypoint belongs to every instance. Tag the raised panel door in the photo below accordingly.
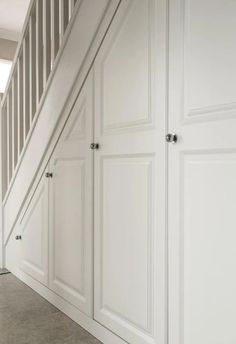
(202, 169)
(71, 206)
(129, 223)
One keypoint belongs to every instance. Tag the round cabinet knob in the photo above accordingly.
(18, 237)
(48, 175)
(94, 146)
(171, 138)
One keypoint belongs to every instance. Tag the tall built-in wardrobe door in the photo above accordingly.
(202, 172)
(130, 174)
(34, 232)
(71, 205)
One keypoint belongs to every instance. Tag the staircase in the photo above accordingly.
(41, 43)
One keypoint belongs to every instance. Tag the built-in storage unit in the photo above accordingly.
(90, 232)
(55, 231)
(129, 224)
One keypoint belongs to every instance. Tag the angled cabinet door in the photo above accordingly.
(34, 232)
(130, 174)
(71, 209)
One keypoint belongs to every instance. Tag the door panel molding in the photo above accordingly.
(34, 229)
(60, 166)
(208, 67)
(145, 164)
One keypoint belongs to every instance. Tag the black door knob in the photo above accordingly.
(94, 146)
(171, 138)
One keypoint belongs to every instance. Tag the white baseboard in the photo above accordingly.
(89, 324)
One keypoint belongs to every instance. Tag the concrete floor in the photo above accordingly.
(27, 318)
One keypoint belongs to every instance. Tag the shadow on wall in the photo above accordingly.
(7, 53)
(7, 49)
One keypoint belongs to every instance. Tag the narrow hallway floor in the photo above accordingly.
(27, 318)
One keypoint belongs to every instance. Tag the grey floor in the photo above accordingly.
(27, 318)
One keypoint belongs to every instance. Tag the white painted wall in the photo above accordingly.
(11, 25)
(7, 49)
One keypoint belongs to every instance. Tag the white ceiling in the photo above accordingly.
(12, 16)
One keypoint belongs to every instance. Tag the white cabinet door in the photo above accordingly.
(202, 172)
(130, 174)
(34, 231)
(71, 206)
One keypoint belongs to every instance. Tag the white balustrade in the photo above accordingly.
(42, 37)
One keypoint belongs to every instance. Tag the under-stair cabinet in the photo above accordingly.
(132, 190)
